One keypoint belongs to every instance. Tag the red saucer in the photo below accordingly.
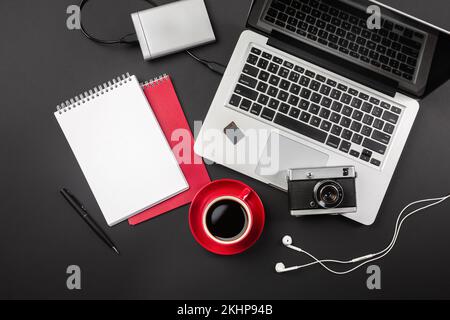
(218, 188)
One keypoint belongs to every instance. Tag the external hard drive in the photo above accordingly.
(173, 27)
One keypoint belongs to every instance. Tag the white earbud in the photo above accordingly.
(280, 268)
(287, 242)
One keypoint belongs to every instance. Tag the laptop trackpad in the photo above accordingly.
(281, 154)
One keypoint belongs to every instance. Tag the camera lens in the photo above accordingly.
(328, 194)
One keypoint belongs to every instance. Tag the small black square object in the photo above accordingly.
(233, 133)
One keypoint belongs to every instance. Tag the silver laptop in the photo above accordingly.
(310, 85)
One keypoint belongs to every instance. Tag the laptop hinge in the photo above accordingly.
(334, 63)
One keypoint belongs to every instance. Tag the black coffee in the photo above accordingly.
(226, 219)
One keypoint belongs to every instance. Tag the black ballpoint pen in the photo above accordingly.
(78, 206)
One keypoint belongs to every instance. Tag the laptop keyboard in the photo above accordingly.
(394, 48)
(306, 102)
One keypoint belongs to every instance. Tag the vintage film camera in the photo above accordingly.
(329, 190)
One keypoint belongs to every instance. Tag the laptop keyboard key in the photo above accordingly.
(354, 153)
(364, 157)
(252, 59)
(300, 127)
(335, 117)
(336, 106)
(273, 104)
(346, 98)
(381, 137)
(389, 128)
(346, 122)
(356, 126)
(235, 100)
(262, 87)
(324, 113)
(347, 111)
(293, 100)
(368, 120)
(273, 68)
(264, 76)
(314, 109)
(378, 124)
(315, 85)
(250, 70)
(294, 113)
(375, 162)
(357, 115)
(284, 84)
(306, 93)
(390, 117)
(268, 114)
(345, 146)
(262, 64)
(248, 81)
(333, 141)
(374, 101)
(283, 96)
(356, 103)
(335, 94)
(274, 80)
(326, 102)
(245, 104)
(336, 130)
(316, 97)
(357, 138)
(374, 146)
(315, 121)
(256, 109)
(305, 117)
(385, 105)
(283, 72)
(256, 51)
(396, 110)
(346, 134)
(377, 111)
(366, 131)
(366, 107)
(304, 104)
(304, 81)
(246, 92)
(325, 126)
(284, 108)
(263, 99)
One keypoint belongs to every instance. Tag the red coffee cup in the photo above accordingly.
(226, 217)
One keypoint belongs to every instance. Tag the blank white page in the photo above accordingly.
(121, 150)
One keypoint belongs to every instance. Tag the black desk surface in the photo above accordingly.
(43, 63)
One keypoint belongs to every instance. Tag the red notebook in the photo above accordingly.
(164, 102)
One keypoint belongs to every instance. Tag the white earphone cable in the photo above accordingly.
(375, 256)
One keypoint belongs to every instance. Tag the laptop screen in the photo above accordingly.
(435, 12)
(411, 55)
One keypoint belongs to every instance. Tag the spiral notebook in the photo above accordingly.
(121, 148)
(164, 102)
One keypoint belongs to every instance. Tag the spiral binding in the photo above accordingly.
(155, 81)
(92, 94)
